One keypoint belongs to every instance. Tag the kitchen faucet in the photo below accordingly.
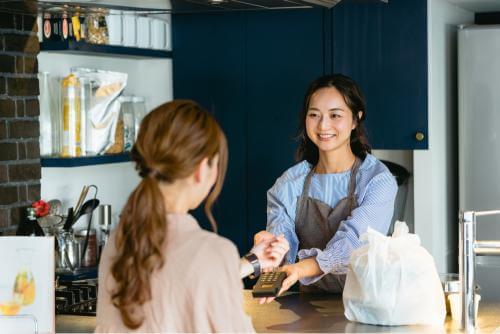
(468, 248)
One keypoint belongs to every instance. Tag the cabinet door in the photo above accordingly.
(383, 46)
(251, 69)
(284, 54)
(209, 68)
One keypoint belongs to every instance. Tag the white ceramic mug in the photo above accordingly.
(115, 27)
(158, 34)
(144, 32)
(129, 29)
(168, 36)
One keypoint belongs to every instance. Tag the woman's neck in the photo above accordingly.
(175, 198)
(335, 162)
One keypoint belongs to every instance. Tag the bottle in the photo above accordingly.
(47, 27)
(65, 27)
(71, 139)
(56, 29)
(30, 226)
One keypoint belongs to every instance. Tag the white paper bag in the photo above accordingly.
(393, 281)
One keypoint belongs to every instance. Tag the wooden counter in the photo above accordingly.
(312, 313)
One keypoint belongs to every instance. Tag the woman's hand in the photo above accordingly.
(277, 250)
(270, 250)
(304, 268)
(293, 275)
(261, 236)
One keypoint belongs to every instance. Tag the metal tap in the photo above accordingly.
(468, 248)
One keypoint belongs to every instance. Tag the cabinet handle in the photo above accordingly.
(419, 136)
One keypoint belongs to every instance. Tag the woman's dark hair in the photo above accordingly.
(354, 100)
(173, 140)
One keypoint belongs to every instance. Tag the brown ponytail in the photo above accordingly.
(173, 139)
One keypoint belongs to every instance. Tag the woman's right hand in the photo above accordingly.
(292, 276)
(261, 236)
(270, 250)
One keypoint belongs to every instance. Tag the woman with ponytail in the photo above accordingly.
(336, 192)
(160, 272)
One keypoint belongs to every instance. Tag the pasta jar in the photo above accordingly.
(71, 139)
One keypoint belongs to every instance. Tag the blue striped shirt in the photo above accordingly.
(375, 192)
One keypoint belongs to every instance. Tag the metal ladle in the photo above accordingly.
(87, 207)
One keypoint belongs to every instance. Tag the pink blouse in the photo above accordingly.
(197, 290)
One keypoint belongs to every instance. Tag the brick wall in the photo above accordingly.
(20, 169)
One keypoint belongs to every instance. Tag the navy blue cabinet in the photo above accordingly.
(383, 46)
(251, 70)
(285, 52)
(209, 67)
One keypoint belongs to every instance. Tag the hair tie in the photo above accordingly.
(155, 174)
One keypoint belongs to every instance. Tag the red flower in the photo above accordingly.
(41, 208)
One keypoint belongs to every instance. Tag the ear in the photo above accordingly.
(201, 171)
(356, 121)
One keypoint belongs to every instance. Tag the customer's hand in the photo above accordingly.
(293, 275)
(277, 250)
(270, 250)
(261, 236)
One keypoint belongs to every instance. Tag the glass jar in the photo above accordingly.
(139, 112)
(85, 108)
(127, 114)
(97, 31)
(45, 115)
(71, 136)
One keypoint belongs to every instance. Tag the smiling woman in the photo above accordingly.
(324, 203)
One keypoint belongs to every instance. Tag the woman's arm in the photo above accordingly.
(374, 211)
(281, 203)
(269, 252)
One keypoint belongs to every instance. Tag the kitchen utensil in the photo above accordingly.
(83, 194)
(86, 208)
(55, 206)
(105, 221)
(69, 220)
(49, 223)
(89, 252)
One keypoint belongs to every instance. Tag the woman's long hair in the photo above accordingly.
(354, 100)
(173, 140)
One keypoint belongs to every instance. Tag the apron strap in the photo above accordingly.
(305, 192)
(352, 184)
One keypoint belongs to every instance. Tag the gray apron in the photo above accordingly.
(316, 223)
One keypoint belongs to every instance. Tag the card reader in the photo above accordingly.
(269, 284)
